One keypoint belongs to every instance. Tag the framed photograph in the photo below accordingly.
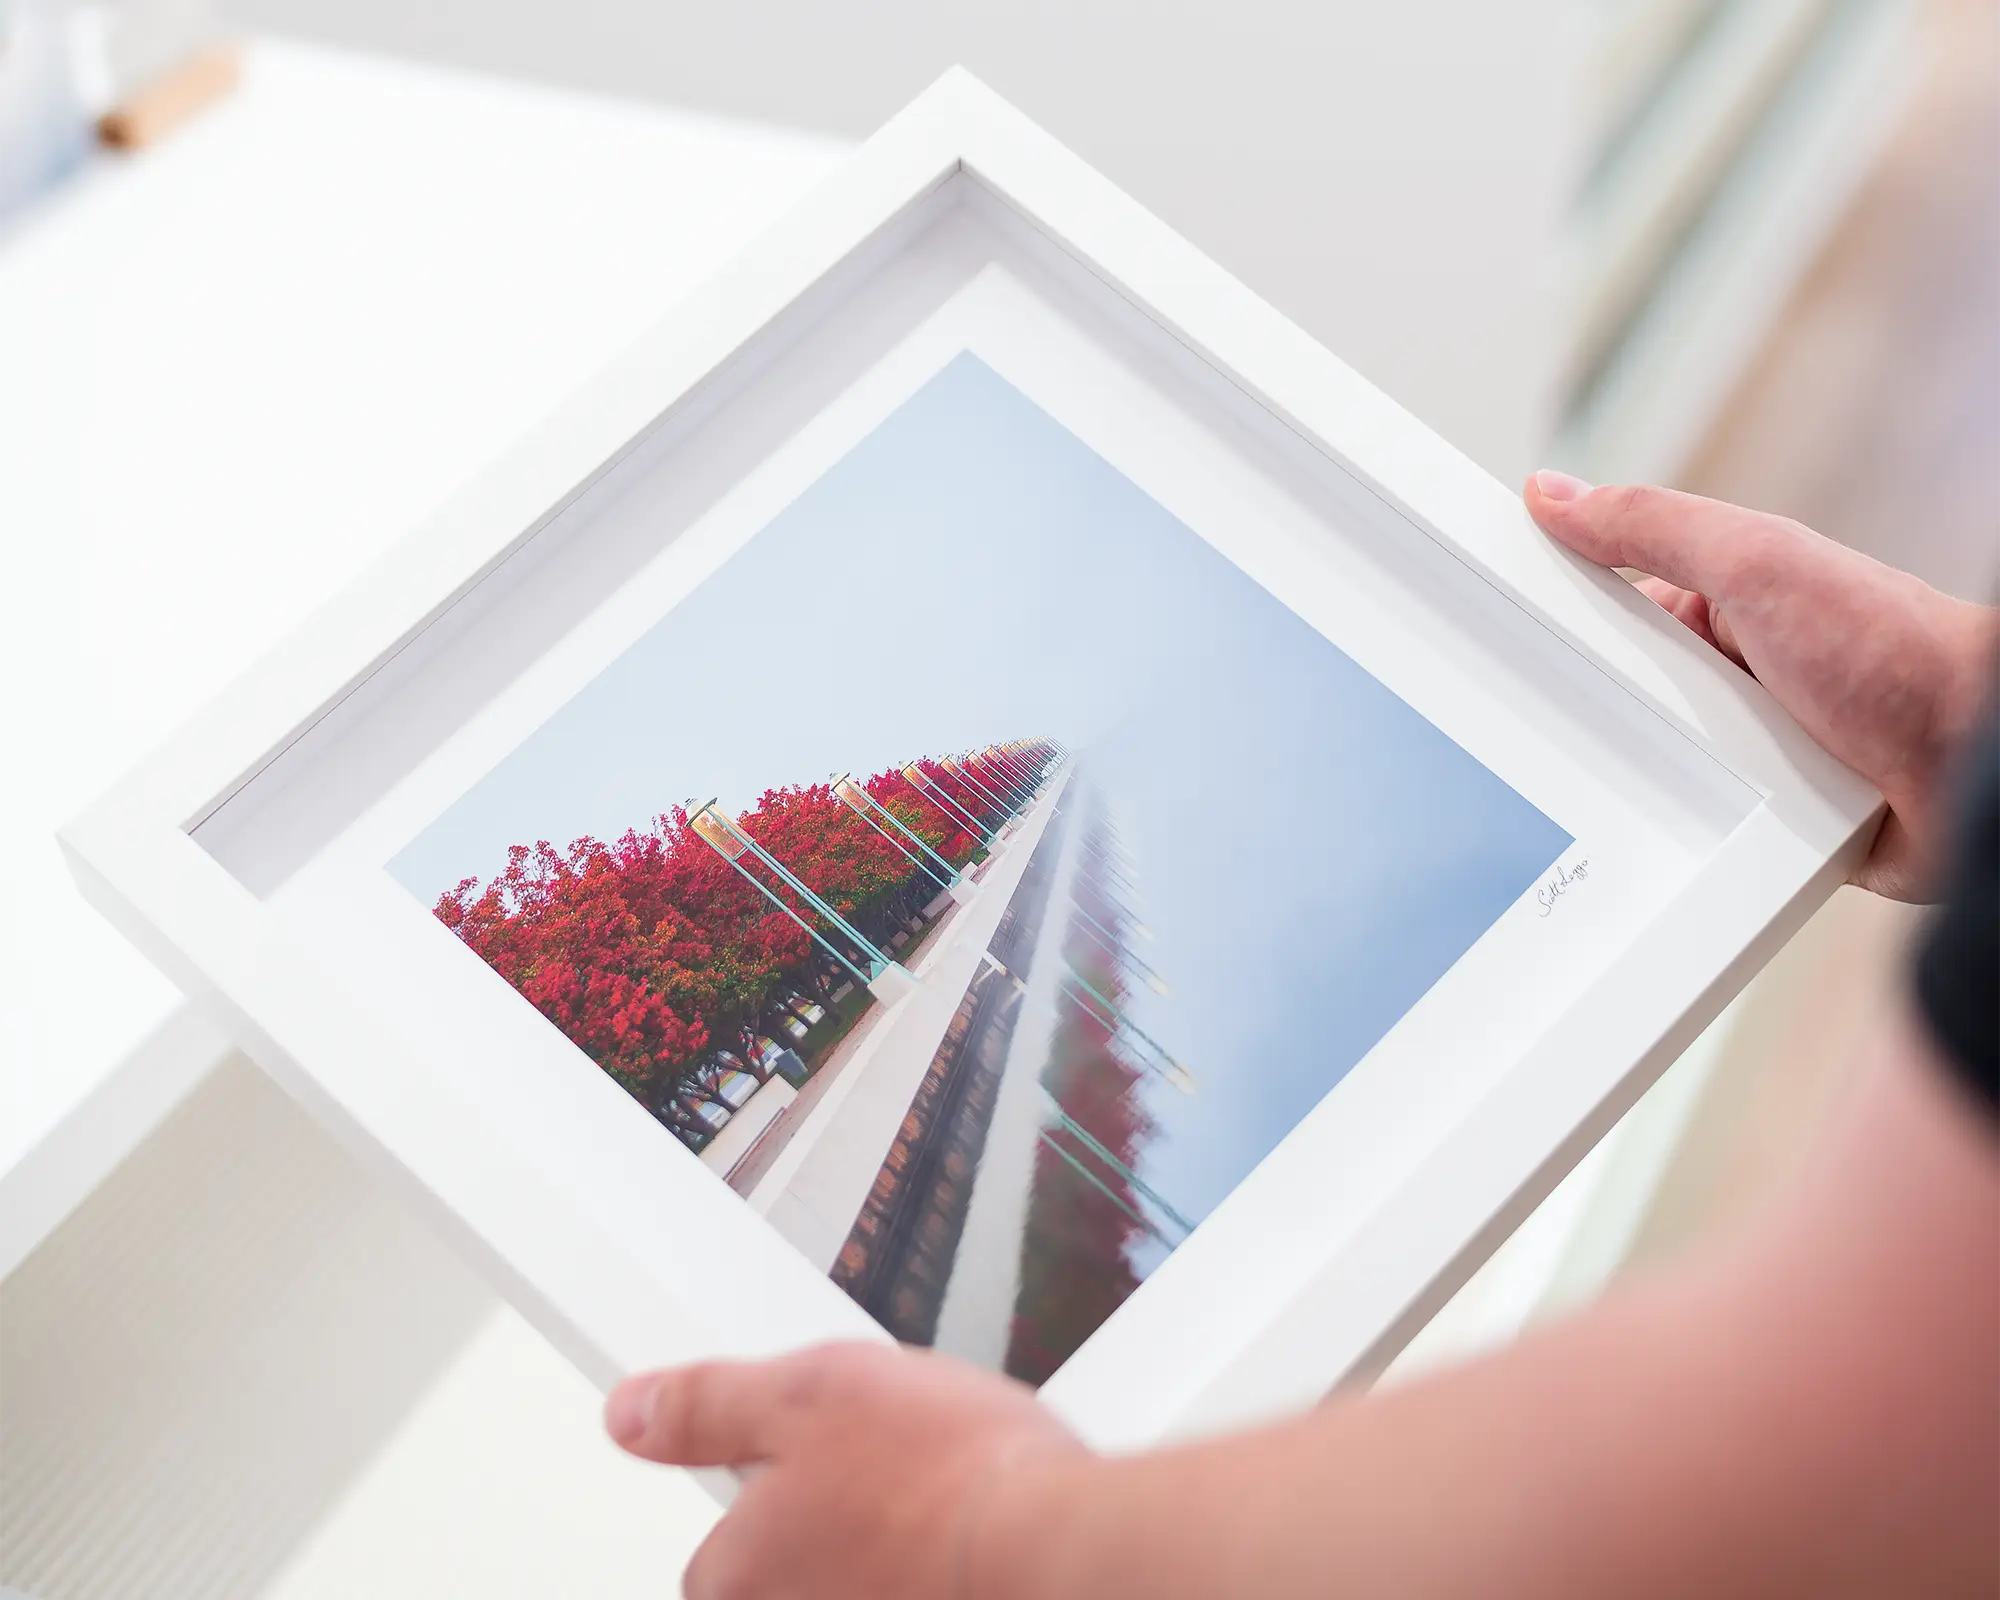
(979, 787)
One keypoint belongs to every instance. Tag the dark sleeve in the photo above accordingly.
(1958, 961)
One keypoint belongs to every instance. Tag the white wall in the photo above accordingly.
(1392, 175)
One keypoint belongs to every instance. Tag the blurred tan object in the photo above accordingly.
(1869, 414)
(1801, 1031)
(1867, 410)
(1731, 136)
(169, 100)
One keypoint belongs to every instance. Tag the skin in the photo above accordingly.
(1886, 673)
(1812, 1410)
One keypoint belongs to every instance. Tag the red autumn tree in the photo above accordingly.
(652, 951)
(1076, 1252)
(559, 928)
(828, 848)
(929, 821)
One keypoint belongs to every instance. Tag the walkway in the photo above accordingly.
(905, 1246)
(815, 1189)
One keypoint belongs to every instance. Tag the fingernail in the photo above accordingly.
(628, 1410)
(1553, 485)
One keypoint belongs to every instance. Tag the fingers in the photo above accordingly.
(727, 1562)
(712, 1414)
(1704, 546)
(1694, 612)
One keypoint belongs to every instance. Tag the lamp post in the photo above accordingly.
(1175, 1073)
(982, 789)
(1109, 867)
(865, 806)
(1028, 761)
(1010, 773)
(1132, 922)
(1117, 951)
(1084, 1137)
(1038, 756)
(988, 782)
(1011, 761)
(958, 770)
(885, 978)
(1104, 934)
(1019, 797)
(913, 775)
(1031, 777)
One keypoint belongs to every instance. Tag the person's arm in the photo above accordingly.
(1813, 1413)
(1816, 1414)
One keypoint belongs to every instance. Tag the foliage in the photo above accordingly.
(929, 821)
(1076, 1251)
(652, 952)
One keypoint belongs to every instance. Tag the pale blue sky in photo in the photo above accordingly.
(1313, 855)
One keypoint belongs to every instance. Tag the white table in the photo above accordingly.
(231, 371)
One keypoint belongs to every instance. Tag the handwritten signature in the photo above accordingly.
(1564, 880)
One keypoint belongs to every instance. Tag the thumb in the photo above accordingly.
(711, 1414)
(1707, 546)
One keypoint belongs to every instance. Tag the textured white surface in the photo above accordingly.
(200, 1355)
(240, 1369)
(500, 1485)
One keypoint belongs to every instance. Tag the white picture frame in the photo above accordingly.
(247, 856)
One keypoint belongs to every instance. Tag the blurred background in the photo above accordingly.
(277, 275)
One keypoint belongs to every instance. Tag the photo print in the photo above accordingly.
(980, 874)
